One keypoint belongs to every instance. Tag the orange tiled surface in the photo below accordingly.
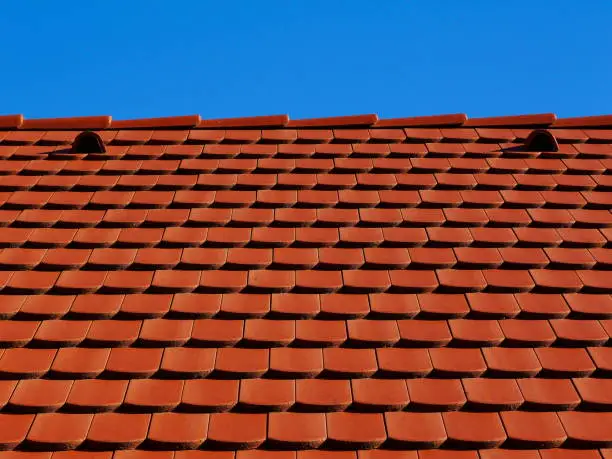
(341, 288)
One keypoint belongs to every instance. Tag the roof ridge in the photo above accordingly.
(456, 120)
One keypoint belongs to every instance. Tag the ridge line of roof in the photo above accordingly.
(457, 120)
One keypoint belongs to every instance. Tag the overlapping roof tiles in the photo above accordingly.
(335, 288)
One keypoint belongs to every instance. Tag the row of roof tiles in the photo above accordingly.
(498, 453)
(240, 431)
(282, 258)
(104, 122)
(267, 139)
(34, 396)
(308, 281)
(238, 307)
(305, 199)
(310, 172)
(356, 333)
(223, 364)
(412, 227)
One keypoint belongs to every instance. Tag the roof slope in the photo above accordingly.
(433, 288)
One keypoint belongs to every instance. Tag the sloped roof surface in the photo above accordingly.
(338, 288)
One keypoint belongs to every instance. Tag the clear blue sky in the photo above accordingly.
(307, 58)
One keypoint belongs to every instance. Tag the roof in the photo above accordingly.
(336, 288)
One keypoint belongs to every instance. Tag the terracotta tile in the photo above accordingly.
(211, 332)
(344, 306)
(145, 306)
(475, 333)
(356, 430)
(10, 305)
(450, 362)
(17, 334)
(296, 363)
(110, 333)
(32, 282)
(488, 394)
(133, 363)
(594, 281)
(14, 428)
(323, 395)
(387, 306)
(232, 430)
(511, 362)
(358, 363)
(594, 393)
(542, 394)
(428, 333)
(568, 363)
(223, 281)
(361, 237)
(431, 258)
(46, 307)
(210, 395)
(589, 306)
(153, 395)
(79, 362)
(165, 333)
(320, 333)
(296, 306)
(587, 429)
(340, 258)
(413, 281)
(468, 430)
(574, 333)
(457, 281)
(532, 429)
(542, 306)
(415, 430)
(268, 333)
(408, 363)
(555, 281)
(443, 305)
(368, 333)
(178, 430)
(312, 281)
(271, 281)
(379, 394)
(169, 281)
(26, 363)
(242, 363)
(492, 305)
(297, 430)
(436, 394)
(245, 305)
(118, 430)
(269, 395)
(527, 333)
(59, 430)
(39, 396)
(96, 395)
(339, 217)
(61, 333)
(195, 306)
(561, 453)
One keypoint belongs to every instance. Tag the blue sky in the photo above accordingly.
(307, 58)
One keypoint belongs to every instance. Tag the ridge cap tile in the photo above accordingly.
(544, 119)
(450, 120)
(265, 121)
(335, 122)
(68, 123)
(11, 121)
(186, 121)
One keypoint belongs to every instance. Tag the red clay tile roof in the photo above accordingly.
(338, 288)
